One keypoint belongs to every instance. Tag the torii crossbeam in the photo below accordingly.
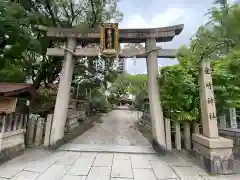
(124, 53)
(164, 34)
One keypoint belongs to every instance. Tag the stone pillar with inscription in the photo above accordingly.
(215, 152)
(158, 131)
(233, 117)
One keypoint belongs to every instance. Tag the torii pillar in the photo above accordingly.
(158, 130)
(61, 105)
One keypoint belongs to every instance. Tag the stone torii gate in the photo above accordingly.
(148, 36)
(214, 152)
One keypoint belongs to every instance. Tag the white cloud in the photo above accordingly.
(156, 13)
(167, 18)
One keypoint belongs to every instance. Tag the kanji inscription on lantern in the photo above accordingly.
(212, 116)
(109, 38)
(210, 100)
(209, 85)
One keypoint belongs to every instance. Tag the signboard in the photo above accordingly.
(109, 39)
(8, 104)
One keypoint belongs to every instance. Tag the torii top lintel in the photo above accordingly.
(163, 34)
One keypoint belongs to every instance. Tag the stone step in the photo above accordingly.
(75, 110)
(107, 148)
(72, 121)
(75, 115)
(74, 101)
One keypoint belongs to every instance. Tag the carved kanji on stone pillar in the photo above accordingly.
(208, 109)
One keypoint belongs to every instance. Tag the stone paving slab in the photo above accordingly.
(89, 154)
(107, 148)
(67, 177)
(68, 159)
(39, 166)
(140, 162)
(187, 173)
(121, 156)
(103, 166)
(23, 175)
(55, 172)
(9, 171)
(121, 168)
(143, 174)
(13, 167)
(103, 160)
(99, 173)
(81, 167)
(173, 160)
(162, 170)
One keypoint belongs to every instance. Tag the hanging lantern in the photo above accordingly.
(109, 39)
(100, 65)
(121, 65)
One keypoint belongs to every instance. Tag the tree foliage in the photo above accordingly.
(23, 47)
(23, 44)
(217, 41)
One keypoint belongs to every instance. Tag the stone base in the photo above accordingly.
(77, 131)
(11, 152)
(158, 147)
(215, 154)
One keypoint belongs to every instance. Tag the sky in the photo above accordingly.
(159, 13)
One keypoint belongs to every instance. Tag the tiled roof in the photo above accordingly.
(14, 89)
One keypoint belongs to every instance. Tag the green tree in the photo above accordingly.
(179, 93)
(23, 44)
(25, 18)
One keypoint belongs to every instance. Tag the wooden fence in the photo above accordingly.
(178, 134)
(38, 131)
(234, 134)
(12, 129)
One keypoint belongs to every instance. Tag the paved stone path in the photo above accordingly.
(62, 165)
(117, 133)
(117, 128)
